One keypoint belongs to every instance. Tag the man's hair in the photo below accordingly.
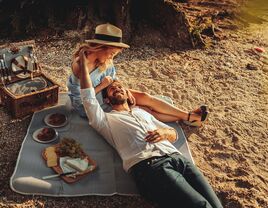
(105, 90)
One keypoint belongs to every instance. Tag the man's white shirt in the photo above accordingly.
(126, 131)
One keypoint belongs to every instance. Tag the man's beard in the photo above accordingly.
(117, 101)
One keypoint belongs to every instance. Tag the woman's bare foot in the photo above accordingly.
(194, 119)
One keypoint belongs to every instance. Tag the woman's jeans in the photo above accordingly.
(173, 181)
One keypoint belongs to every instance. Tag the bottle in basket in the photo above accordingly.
(2, 74)
(34, 60)
(6, 68)
(4, 71)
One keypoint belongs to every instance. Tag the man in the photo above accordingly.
(161, 173)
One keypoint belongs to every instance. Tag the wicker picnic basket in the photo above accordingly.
(19, 70)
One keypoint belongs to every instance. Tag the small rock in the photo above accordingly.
(228, 64)
(235, 138)
(265, 69)
(252, 67)
(259, 49)
(264, 59)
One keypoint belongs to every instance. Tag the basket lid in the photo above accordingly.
(17, 61)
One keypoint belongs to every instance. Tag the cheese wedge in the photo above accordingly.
(51, 157)
(77, 164)
(52, 163)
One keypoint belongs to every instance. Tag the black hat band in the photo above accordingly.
(108, 38)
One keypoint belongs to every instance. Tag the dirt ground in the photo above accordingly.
(231, 148)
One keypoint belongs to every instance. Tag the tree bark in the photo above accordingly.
(147, 22)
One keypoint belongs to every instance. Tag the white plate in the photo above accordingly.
(47, 141)
(46, 120)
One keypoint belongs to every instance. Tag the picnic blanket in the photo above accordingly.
(108, 179)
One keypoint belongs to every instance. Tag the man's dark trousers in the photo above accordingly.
(173, 181)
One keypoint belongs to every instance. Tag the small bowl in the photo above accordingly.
(49, 120)
(45, 135)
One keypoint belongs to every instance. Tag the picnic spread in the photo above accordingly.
(61, 155)
(92, 167)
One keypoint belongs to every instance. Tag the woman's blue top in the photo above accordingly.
(73, 84)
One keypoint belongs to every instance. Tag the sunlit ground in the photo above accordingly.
(257, 8)
(255, 13)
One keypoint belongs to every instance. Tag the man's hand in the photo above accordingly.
(132, 100)
(85, 81)
(161, 134)
(84, 62)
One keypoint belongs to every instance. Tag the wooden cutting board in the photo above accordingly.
(76, 177)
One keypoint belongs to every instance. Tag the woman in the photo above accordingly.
(100, 52)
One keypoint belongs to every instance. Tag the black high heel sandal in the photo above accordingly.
(202, 111)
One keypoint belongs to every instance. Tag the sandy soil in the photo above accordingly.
(231, 148)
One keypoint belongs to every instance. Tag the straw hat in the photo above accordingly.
(108, 34)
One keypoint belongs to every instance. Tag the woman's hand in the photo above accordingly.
(106, 81)
(131, 98)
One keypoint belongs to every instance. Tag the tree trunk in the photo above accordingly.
(147, 22)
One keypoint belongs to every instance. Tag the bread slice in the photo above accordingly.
(77, 164)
